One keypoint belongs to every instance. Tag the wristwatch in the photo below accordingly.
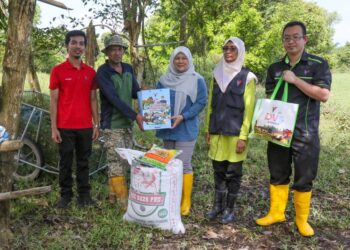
(96, 126)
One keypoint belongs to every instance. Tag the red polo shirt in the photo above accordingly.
(75, 85)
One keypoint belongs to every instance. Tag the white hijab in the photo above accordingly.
(185, 83)
(224, 72)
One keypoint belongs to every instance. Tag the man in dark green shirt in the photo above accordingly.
(118, 86)
(309, 80)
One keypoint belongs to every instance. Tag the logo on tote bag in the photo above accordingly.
(274, 120)
(274, 117)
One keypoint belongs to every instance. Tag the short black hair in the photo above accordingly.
(295, 23)
(75, 33)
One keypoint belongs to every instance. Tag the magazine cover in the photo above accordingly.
(154, 105)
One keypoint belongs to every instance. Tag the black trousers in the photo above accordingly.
(303, 153)
(80, 142)
(227, 176)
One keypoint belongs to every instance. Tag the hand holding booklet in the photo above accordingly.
(155, 107)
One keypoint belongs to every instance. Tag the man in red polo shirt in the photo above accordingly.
(73, 108)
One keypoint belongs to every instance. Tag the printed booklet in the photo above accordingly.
(154, 105)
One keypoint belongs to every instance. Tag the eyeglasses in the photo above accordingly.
(287, 39)
(231, 49)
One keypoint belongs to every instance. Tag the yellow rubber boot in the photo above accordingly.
(186, 194)
(120, 189)
(112, 197)
(302, 202)
(278, 204)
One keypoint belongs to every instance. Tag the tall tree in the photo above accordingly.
(15, 64)
(32, 75)
(92, 46)
(133, 16)
(133, 13)
(3, 25)
(318, 22)
(343, 57)
(257, 22)
(47, 47)
(42, 55)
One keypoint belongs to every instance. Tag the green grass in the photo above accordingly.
(44, 80)
(37, 225)
(339, 93)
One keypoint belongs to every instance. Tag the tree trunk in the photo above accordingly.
(92, 47)
(32, 75)
(137, 62)
(15, 65)
(133, 15)
(183, 30)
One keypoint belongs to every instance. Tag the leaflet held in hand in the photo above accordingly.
(154, 105)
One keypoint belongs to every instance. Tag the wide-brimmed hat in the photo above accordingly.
(114, 41)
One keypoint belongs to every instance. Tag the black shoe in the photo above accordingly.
(214, 212)
(64, 202)
(228, 216)
(85, 200)
(218, 206)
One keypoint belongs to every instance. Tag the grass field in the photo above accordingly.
(38, 225)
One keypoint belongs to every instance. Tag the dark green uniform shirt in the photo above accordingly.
(116, 94)
(312, 69)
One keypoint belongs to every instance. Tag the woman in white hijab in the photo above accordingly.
(230, 111)
(188, 99)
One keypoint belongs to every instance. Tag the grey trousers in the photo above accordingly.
(187, 148)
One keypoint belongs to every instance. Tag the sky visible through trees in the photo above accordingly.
(340, 37)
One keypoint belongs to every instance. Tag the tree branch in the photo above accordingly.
(56, 3)
(26, 192)
(3, 8)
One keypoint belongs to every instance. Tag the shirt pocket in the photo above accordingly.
(234, 99)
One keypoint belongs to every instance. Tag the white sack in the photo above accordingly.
(154, 194)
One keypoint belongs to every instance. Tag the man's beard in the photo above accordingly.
(77, 56)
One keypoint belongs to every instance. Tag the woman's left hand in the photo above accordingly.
(240, 147)
(178, 119)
